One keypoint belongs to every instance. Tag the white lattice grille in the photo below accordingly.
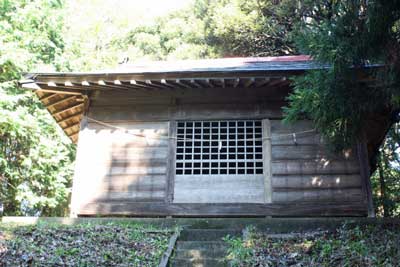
(219, 147)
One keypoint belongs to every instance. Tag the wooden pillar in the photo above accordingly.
(171, 162)
(79, 160)
(266, 143)
(363, 160)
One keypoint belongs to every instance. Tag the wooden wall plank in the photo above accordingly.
(117, 165)
(132, 127)
(292, 182)
(139, 153)
(315, 196)
(138, 170)
(131, 163)
(121, 181)
(180, 112)
(307, 152)
(301, 209)
(304, 169)
(279, 127)
(298, 139)
(157, 195)
(309, 167)
(219, 189)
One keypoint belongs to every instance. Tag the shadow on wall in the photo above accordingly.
(136, 168)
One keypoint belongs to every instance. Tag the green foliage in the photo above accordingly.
(385, 180)
(347, 35)
(248, 28)
(175, 36)
(240, 252)
(35, 157)
(204, 29)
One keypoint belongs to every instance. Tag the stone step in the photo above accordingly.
(204, 262)
(181, 245)
(207, 234)
(200, 253)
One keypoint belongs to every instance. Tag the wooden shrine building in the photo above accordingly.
(200, 138)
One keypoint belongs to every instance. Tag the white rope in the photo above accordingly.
(294, 134)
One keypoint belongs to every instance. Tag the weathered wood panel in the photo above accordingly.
(138, 170)
(126, 182)
(280, 127)
(320, 195)
(122, 162)
(307, 152)
(304, 169)
(309, 138)
(298, 167)
(292, 182)
(131, 164)
(140, 195)
(186, 112)
(188, 96)
(301, 209)
(219, 189)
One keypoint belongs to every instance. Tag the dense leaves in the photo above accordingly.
(348, 36)
(248, 28)
(35, 157)
(82, 245)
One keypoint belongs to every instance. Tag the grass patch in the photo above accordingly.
(370, 245)
(109, 244)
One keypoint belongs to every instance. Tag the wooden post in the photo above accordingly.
(171, 161)
(363, 160)
(78, 161)
(266, 130)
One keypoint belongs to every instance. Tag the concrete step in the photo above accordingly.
(200, 253)
(181, 245)
(207, 234)
(204, 262)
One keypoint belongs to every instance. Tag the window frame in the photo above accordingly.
(248, 152)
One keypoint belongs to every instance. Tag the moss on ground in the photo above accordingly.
(110, 244)
(370, 245)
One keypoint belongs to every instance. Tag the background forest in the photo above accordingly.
(36, 158)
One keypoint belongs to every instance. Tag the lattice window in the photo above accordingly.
(219, 147)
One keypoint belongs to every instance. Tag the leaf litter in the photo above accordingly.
(82, 245)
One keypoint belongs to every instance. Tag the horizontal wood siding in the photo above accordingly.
(186, 112)
(303, 169)
(122, 165)
(295, 209)
(219, 189)
(124, 172)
